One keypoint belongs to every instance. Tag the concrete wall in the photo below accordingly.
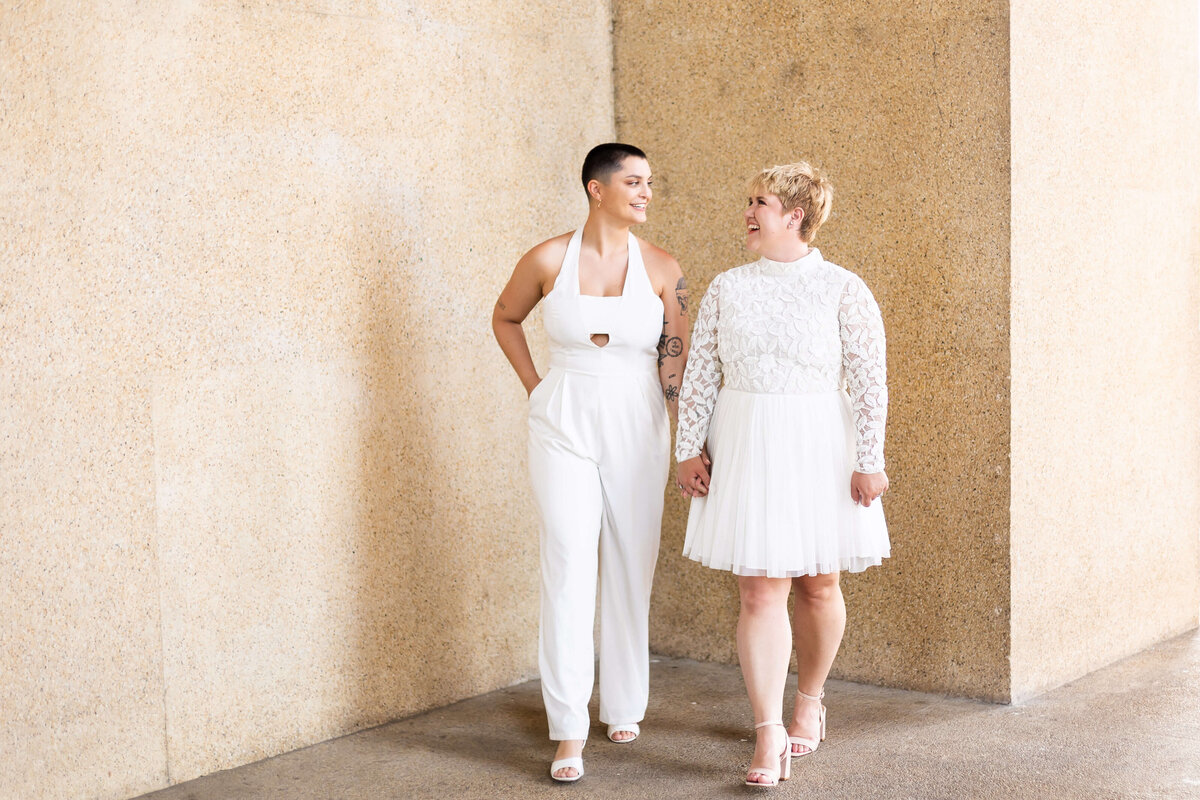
(261, 463)
(1071, 250)
(1105, 333)
(908, 115)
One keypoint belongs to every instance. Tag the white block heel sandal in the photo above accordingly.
(811, 744)
(785, 762)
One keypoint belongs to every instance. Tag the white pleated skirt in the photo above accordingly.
(779, 502)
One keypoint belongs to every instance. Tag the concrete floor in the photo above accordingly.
(1131, 730)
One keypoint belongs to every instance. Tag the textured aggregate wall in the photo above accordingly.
(907, 111)
(1105, 333)
(261, 462)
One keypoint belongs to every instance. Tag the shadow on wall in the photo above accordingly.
(443, 606)
(406, 603)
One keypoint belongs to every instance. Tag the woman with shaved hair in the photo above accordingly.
(786, 393)
(615, 311)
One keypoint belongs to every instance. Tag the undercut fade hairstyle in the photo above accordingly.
(605, 159)
(801, 186)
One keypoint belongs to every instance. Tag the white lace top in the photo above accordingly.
(804, 326)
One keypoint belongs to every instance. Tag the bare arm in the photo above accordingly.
(673, 343)
(523, 291)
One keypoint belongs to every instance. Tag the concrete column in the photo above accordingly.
(968, 146)
(1105, 338)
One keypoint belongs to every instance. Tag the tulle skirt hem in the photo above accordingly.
(779, 499)
(858, 564)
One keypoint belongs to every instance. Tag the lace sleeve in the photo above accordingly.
(864, 363)
(701, 379)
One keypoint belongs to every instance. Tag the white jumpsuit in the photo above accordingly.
(598, 458)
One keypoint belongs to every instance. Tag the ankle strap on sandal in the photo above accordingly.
(778, 722)
(817, 698)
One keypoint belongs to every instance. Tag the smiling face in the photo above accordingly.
(767, 221)
(626, 193)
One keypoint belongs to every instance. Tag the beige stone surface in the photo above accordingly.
(267, 459)
(262, 465)
(907, 114)
(1105, 336)
(1100, 737)
(81, 693)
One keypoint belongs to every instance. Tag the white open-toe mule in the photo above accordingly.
(563, 763)
(632, 727)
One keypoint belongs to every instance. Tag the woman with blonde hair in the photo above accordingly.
(785, 392)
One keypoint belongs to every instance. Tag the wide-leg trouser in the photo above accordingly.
(598, 459)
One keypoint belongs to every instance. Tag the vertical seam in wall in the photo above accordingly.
(1013, 695)
(158, 567)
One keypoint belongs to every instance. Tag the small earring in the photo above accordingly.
(789, 226)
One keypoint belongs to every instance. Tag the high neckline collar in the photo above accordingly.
(811, 258)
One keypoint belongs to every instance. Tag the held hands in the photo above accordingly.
(867, 487)
(692, 475)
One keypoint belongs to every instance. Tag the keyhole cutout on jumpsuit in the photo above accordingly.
(601, 339)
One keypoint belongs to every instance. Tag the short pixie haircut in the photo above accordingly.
(605, 159)
(800, 186)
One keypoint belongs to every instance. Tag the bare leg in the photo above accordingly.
(764, 648)
(818, 622)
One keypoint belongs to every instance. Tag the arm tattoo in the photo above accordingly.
(500, 305)
(681, 294)
(662, 344)
(674, 346)
(671, 393)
